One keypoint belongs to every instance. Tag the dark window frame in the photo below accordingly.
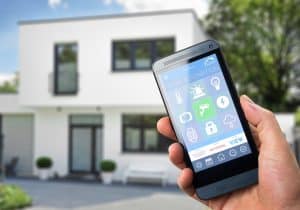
(142, 127)
(56, 91)
(132, 47)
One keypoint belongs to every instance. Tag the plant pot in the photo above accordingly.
(44, 174)
(106, 177)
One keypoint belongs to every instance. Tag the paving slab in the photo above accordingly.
(58, 195)
(157, 201)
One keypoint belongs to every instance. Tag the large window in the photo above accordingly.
(65, 73)
(140, 135)
(139, 55)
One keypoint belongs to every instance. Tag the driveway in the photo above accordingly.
(60, 195)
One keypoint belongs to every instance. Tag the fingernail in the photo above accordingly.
(248, 99)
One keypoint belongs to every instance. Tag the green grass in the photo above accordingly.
(13, 197)
(297, 117)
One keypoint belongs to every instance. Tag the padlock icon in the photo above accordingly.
(211, 128)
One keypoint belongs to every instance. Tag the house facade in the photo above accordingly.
(87, 92)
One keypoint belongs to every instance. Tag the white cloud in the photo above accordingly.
(200, 6)
(107, 2)
(54, 3)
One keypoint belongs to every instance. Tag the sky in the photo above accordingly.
(12, 11)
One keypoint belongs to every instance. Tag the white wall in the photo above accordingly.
(287, 123)
(51, 139)
(9, 104)
(98, 86)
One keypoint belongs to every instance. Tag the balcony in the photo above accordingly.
(63, 83)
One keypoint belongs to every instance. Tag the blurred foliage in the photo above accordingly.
(44, 162)
(13, 197)
(297, 117)
(260, 40)
(66, 53)
(108, 165)
(10, 86)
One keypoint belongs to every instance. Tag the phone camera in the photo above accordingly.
(210, 46)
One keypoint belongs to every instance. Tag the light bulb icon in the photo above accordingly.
(215, 82)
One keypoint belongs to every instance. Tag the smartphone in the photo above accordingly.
(206, 115)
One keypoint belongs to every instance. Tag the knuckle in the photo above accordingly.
(269, 114)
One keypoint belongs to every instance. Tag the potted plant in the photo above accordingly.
(107, 168)
(44, 164)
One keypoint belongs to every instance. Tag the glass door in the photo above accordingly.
(81, 149)
(86, 149)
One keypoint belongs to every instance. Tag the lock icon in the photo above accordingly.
(211, 128)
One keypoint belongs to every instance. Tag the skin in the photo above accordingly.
(279, 174)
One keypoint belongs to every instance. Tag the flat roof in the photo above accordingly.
(100, 17)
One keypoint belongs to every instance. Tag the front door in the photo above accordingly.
(86, 148)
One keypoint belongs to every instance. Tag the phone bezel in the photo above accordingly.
(227, 169)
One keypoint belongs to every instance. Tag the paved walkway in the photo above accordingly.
(60, 195)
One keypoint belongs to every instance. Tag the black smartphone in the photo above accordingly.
(206, 115)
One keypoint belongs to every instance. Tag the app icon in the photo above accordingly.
(178, 97)
(185, 117)
(210, 128)
(209, 61)
(215, 82)
(221, 157)
(243, 148)
(222, 102)
(229, 120)
(198, 165)
(204, 109)
(191, 134)
(209, 161)
(197, 91)
(232, 152)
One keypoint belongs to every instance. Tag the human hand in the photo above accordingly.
(279, 174)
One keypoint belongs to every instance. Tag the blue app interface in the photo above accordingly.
(205, 117)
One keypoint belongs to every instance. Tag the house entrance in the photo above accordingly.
(85, 143)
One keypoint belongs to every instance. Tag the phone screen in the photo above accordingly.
(203, 113)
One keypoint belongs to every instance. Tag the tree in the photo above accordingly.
(10, 86)
(261, 43)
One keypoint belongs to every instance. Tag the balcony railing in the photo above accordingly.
(64, 83)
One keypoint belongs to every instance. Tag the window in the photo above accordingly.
(140, 135)
(141, 54)
(86, 119)
(65, 73)
(122, 59)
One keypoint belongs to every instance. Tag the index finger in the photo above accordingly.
(165, 128)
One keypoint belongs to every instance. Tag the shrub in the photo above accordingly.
(44, 162)
(13, 197)
(297, 117)
(108, 165)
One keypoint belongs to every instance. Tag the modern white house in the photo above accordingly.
(87, 92)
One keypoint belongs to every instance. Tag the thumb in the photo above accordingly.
(273, 144)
